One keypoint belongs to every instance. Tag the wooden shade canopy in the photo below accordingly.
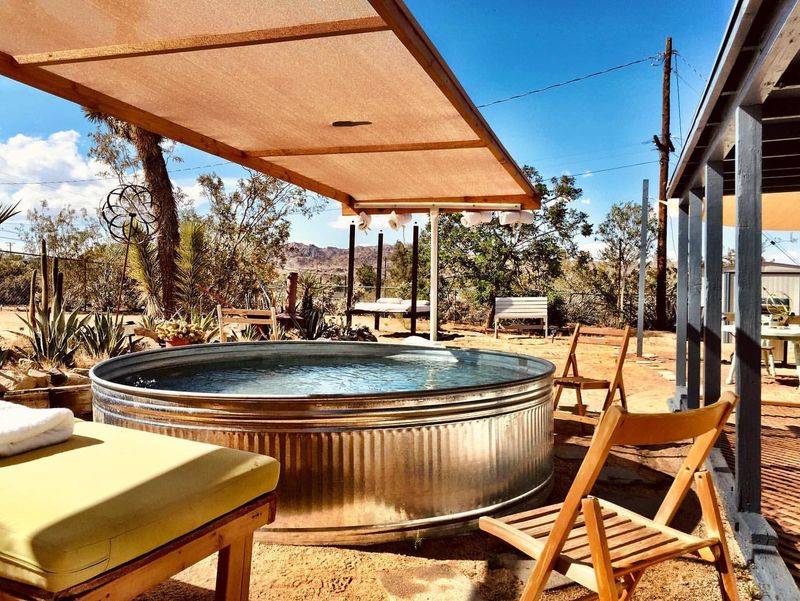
(346, 98)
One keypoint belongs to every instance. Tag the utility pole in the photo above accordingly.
(664, 146)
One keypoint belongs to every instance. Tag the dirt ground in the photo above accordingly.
(477, 567)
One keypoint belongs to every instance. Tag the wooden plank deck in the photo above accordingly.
(780, 462)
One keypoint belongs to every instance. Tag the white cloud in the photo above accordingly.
(27, 159)
(587, 174)
(592, 246)
(586, 201)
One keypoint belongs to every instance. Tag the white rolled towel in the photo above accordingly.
(473, 218)
(24, 429)
(364, 221)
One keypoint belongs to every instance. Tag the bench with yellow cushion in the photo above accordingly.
(116, 505)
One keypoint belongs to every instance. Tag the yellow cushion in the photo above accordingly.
(107, 495)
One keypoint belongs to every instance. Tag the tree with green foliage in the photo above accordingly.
(248, 229)
(366, 276)
(621, 237)
(496, 260)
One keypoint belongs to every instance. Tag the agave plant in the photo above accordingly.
(105, 337)
(55, 334)
(313, 325)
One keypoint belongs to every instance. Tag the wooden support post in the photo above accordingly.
(414, 278)
(712, 344)
(694, 298)
(291, 293)
(748, 308)
(681, 306)
(642, 269)
(378, 277)
(351, 268)
(434, 295)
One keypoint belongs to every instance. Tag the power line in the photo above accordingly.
(573, 80)
(613, 168)
(100, 179)
(678, 92)
(696, 72)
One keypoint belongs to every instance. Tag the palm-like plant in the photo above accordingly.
(146, 273)
(192, 264)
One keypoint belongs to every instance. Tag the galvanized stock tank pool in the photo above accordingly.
(376, 442)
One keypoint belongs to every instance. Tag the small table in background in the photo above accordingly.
(789, 334)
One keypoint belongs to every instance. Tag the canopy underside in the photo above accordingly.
(263, 88)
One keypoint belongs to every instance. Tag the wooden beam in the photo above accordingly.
(694, 294)
(748, 308)
(409, 32)
(64, 88)
(368, 148)
(205, 42)
(713, 284)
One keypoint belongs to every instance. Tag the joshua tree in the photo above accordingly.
(150, 155)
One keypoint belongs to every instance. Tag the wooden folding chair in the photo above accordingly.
(578, 383)
(604, 547)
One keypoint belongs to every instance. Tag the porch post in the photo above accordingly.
(712, 317)
(695, 292)
(434, 296)
(642, 268)
(351, 259)
(681, 306)
(748, 308)
(378, 279)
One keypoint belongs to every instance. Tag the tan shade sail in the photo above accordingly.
(780, 211)
(262, 83)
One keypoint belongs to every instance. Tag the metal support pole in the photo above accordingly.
(351, 265)
(712, 344)
(694, 297)
(748, 308)
(642, 268)
(681, 306)
(378, 276)
(434, 299)
(414, 278)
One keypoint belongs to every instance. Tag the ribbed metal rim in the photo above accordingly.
(200, 398)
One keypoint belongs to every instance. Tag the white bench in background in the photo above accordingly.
(521, 307)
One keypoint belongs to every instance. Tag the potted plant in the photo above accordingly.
(178, 332)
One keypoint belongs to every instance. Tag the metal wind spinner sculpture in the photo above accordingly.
(128, 216)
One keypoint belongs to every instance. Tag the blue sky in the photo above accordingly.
(496, 49)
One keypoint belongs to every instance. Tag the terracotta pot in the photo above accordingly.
(178, 342)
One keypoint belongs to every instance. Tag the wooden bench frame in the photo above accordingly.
(521, 307)
(228, 315)
(606, 548)
(578, 383)
(231, 535)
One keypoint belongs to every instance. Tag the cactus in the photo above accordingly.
(45, 278)
(32, 299)
(52, 285)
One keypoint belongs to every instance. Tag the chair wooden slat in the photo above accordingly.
(229, 315)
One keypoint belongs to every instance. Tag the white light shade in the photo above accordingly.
(525, 217)
(471, 219)
(363, 221)
(509, 217)
(396, 221)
